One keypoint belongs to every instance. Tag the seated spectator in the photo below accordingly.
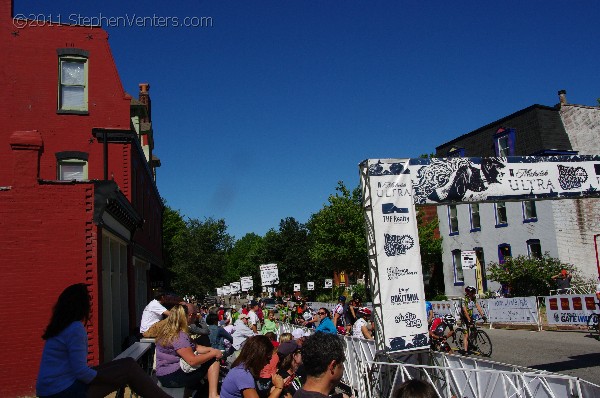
(270, 325)
(299, 336)
(153, 312)
(64, 371)
(283, 337)
(245, 370)
(290, 360)
(172, 344)
(323, 359)
(415, 389)
(218, 335)
(241, 334)
(325, 323)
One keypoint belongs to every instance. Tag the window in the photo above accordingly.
(534, 248)
(475, 219)
(452, 220)
(72, 80)
(72, 166)
(504, 142)
(529, 211)
(501, 220)
(458, 270)
(504, 252)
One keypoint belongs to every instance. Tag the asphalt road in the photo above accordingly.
(572, 353)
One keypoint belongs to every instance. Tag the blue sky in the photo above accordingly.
(257, 117)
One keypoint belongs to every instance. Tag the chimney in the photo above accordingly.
(144, 98)
(562, 95)
(26, 147)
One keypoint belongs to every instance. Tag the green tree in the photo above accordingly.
(244, 259)
(337, 233)
(173, 228)
(527, 276)
(199, 257)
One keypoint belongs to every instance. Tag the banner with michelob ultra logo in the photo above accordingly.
(399, 276)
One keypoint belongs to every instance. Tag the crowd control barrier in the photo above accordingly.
(374, 374)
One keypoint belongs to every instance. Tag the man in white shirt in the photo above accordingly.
(253, 318)
(154, 312)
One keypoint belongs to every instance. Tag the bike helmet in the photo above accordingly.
(449, 319)
(470, 290)
(365, 311)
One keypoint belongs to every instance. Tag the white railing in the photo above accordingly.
(375, 375)
(587, 288)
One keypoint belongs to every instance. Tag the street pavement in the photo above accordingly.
(572, 353)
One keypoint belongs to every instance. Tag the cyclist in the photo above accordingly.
(469, 303)
(437, 329)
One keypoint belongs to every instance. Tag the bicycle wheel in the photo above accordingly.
(482, 343)
(594, 326)
(457, 339)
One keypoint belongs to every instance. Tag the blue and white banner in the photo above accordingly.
(400, 278)
(570, 309)
(513, 310)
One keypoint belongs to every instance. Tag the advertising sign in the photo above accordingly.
(468, 258)
(296, 287)
(513, 310)
(404, 321)
(328, 283)
(235, 287)
(269, 274)
(310, 286)
(219, 291)
(246, 282)
(570, 309)
(226, 290)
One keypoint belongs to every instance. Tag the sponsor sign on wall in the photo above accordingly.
(269, 274)
(468, 258)
(513, 310)
(400, 278)
(570, 309)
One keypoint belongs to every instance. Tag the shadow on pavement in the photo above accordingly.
(575, 362)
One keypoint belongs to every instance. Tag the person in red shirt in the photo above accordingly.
(244, 309)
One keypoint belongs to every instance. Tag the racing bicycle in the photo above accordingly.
(479, 341)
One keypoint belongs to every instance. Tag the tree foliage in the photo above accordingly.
(337, 233)
(527, 276)
(199, 256)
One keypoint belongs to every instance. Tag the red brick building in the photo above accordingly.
(78, 198)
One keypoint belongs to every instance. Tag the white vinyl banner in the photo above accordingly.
(570, 309)
(269, 274)
(398, 260)
(235, 287)
(296, 287)
(328, 283)
(513, 310)
(310, 286)
(246, 282)
(219, 291)
(441, 308)
(226, 290)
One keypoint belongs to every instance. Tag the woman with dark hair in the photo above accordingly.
(173, 343)
(64, 372)
(290, 360)
(218, 335)
(325, 323)
(240, 382)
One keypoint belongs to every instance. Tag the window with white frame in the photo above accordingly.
(73, 81)
(72, 166)
(529, 211)
(501, 219)
(458, 269)
(453, 219)
(534, 248)
(475, 218)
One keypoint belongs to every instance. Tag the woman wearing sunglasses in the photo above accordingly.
(325, 323)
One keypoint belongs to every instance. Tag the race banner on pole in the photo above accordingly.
(310, 286)
(226, 290)
(235, 287)
(269, 274)
(328, 283)
(219, 291)
(296, 287)
(246, 282)
(402, 293)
